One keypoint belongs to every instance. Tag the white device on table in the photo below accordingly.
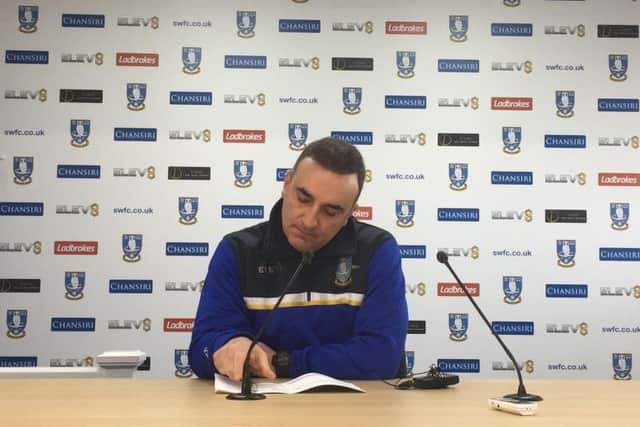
(513, 406)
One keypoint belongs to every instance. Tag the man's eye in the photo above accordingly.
(303, 199)
(331, 212)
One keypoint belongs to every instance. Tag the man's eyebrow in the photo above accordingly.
(305, 193)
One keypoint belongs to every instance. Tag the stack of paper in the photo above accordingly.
(306, 382)
(121, 359)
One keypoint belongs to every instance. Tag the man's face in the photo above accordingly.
(316, 204)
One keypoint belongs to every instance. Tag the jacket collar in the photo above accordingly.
(277, 245)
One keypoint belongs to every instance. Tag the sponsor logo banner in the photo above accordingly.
(67, 247)
(619, 104)
(511, 29)
(459, 365)
(402, 101)
(78, 171)
(413, 251)
(556, 290)
(242, 211)
(565, 215)
(565, 141)
(511, 103)
(245, 61)
(18, 361)
(131, 59)
(93, 96)
(417, 327)
(619, 254)
(71, 20)
(244, 136)
(363, 213)
(280, 174)
(458, 65)
(197, 173)
(187, 249)
(355, 138)
(511, 178)
(351, 64)
(459, 214)
(171, 324)
(26, 57)
(73, 324)
(452, 289)
(405, 27)
(130, 286)
(20, 285)
(619, 179)
(21, 209)
(458, 139)
(190, 98)
(135, 134)
(299, 25)
(513, 328)
(618, 31)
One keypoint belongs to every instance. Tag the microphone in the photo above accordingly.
(246, 393)
(521, 395)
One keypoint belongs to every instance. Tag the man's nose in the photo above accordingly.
(310, 218)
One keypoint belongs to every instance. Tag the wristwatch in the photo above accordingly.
(280, 362)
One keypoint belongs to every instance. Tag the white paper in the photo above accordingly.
(121, 358)
(299, 384)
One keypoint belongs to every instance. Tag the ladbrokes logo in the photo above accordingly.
(619, 179)
(137, 59)
(452, 289)
(75, 247)
(178, 324)
(508, 103)
(363, 213)
(405, 27)
(244, 136)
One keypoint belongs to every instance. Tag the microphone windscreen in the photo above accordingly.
(442, 257)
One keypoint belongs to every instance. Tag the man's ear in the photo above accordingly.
(288, 175)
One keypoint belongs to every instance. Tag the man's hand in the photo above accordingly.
(229, 359)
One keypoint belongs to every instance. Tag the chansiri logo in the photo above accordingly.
(26, 57)
(299, 25)
(72, 20)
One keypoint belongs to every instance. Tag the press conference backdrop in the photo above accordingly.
(136, 134)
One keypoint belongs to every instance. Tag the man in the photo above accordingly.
(346, 314)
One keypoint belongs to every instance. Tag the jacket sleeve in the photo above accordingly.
(380, 330)
(221, 313)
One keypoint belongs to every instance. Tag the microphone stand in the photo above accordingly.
(246, 392)
(522, 394)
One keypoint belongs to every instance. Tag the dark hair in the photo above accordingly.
(337, 156)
